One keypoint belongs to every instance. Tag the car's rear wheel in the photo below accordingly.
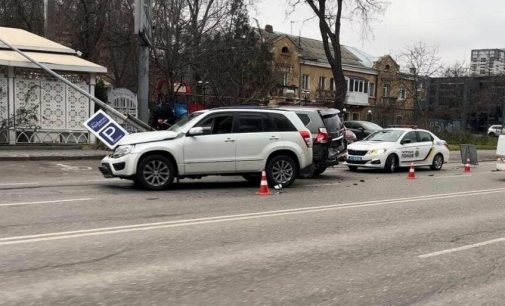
(492, 134)
(155, 172)
(281, 170)
(438, 162)
(391, 164)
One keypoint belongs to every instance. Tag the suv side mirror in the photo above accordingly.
(198, 131)
(406, 141)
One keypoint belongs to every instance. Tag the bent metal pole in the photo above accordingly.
(131, 120)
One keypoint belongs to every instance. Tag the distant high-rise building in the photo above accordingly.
(486, 62)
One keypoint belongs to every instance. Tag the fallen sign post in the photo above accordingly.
(105, 129)
(140, 125)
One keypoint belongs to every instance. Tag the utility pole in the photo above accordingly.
(143, 26)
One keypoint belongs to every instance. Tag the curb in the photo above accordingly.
(51, 158)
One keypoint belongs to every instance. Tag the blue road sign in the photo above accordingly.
(97, 122)
(112, 133)
(105, 129)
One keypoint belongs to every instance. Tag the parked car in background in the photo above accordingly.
(222, 141)
(494, 130)
(392, 148)
(362, 128)
(350, 137)
(327, 135)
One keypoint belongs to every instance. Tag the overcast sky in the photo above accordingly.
(454, 26)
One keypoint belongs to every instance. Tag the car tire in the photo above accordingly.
(391, 164)
(253, 179)
(492, 134)
(438, 162)
(352, 168)
(155, 172)
(281, 170)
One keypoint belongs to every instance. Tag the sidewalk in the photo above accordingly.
(72, 154)
(48, 154)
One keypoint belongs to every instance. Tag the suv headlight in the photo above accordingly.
(122, 151)
(376, 151)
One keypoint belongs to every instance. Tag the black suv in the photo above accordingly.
(327, 135)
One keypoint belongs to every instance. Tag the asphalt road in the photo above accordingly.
(69, 237)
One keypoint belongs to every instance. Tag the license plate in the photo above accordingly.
(352, 157)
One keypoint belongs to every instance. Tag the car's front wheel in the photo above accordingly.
(492, 134)
(438, 162)
(155, 172)
(281, 170)
(391, 164)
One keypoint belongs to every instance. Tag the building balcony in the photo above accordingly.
(357, 98)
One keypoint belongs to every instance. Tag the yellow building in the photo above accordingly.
(305, 76)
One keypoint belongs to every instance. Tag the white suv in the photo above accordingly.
(224, 141)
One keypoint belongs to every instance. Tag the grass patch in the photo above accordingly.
(482, 142)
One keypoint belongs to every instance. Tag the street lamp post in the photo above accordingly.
(204, 87)
(344, 110)
(369, 115)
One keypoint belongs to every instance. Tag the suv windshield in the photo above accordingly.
(385, 135)
(176, 127)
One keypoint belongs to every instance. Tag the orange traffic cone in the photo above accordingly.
(467, 165)
(263, 185)
(412, 173)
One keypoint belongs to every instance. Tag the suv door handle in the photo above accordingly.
(274, 138)
(229, 140)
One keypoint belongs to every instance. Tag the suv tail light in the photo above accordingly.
(307, 137)
(322, 136)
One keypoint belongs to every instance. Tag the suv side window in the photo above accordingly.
(254, 123)
(217, 124)
(411, 136)
(305, 118)
(283, 124)
(424, 136)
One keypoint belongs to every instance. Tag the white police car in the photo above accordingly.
(392, 148)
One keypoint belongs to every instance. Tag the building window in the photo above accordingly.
(355, 116)
(483, 59)
(305, 81)
(332, 84)
(358, 86)
(285, 79)
(285, 50)
(322, 81)
(401, 93)
(372, 90)
(482, 71)
(387, 90)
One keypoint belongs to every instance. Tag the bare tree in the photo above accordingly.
(329, 14)
(420, 61)
(456, 70)
(24, 14)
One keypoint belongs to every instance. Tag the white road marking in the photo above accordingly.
(231, 218)
(18, 184)
(65, 167)
(44, 202)
(462, 248)
(452, 176)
